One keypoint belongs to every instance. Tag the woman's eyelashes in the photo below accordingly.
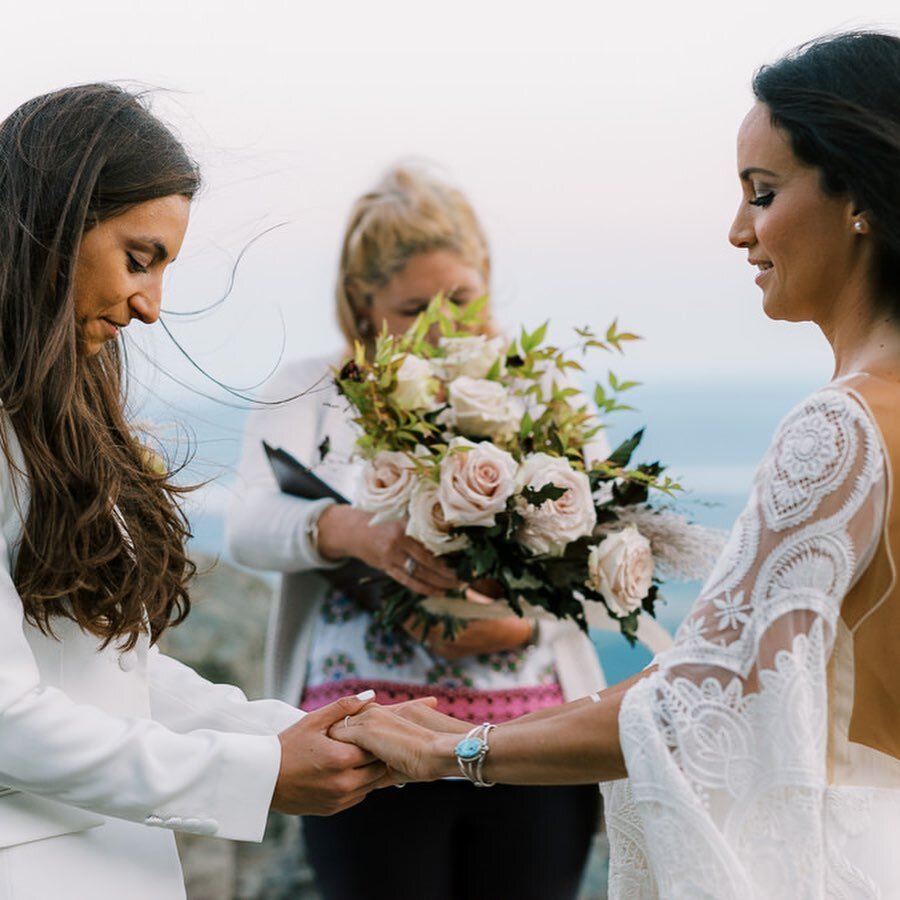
(763, 199)
(134, 264)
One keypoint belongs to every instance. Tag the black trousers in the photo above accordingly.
(449, 840)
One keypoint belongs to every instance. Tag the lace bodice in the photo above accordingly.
(726, 743)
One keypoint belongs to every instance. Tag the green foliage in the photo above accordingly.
(621, 456)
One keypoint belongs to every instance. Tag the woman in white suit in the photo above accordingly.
(106, 745)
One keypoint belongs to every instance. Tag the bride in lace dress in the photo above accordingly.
(762, 751)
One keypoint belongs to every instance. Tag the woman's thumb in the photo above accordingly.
(345, 706)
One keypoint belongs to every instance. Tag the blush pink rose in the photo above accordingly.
(476, 481)
(548, 528)
(621, 568)
(427, 523)
(387, 482)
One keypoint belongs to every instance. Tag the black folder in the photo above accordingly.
(358, 580)
(298, 480)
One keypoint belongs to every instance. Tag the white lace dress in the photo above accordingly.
(732, 791)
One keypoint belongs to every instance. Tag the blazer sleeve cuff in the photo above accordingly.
(248, 768)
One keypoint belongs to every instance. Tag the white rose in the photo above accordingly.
(549, 527)
(427, 523)
(387, 482)
(621, 568)
(480, 407)
(476, 481)
(416, 386)
(471, 355)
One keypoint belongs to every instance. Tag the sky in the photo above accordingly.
(596, 141)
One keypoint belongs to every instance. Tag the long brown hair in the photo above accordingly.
(103, 537)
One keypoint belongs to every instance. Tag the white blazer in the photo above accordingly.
(87, 734)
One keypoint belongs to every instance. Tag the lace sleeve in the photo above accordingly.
(725, 744)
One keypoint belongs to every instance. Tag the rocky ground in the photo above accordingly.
(223, 639)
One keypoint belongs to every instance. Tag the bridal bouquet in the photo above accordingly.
(489, 451)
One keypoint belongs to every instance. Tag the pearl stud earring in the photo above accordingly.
(858, 225)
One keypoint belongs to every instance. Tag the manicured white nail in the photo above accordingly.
(366, 695)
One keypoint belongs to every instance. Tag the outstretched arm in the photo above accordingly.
(316, 775)
(576, 743)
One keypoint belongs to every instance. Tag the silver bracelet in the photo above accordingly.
(471, 752)
(312, 527)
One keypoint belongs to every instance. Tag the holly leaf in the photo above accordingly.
(622, 454)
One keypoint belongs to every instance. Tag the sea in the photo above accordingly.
(710, 435)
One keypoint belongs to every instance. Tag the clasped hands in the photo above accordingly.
(412, 739)
(335, 755)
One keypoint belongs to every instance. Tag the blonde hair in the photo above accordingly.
(408, 212)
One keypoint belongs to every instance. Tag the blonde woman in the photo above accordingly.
(409, 238)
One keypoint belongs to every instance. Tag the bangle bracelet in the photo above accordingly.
(312, 527)
(470, 754)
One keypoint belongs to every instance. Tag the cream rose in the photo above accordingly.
(427, 523)
(549, 527)
(621, 568)
(471, 355)
(387, 482)
(480, 407)
(417, 385)
(476, 481)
